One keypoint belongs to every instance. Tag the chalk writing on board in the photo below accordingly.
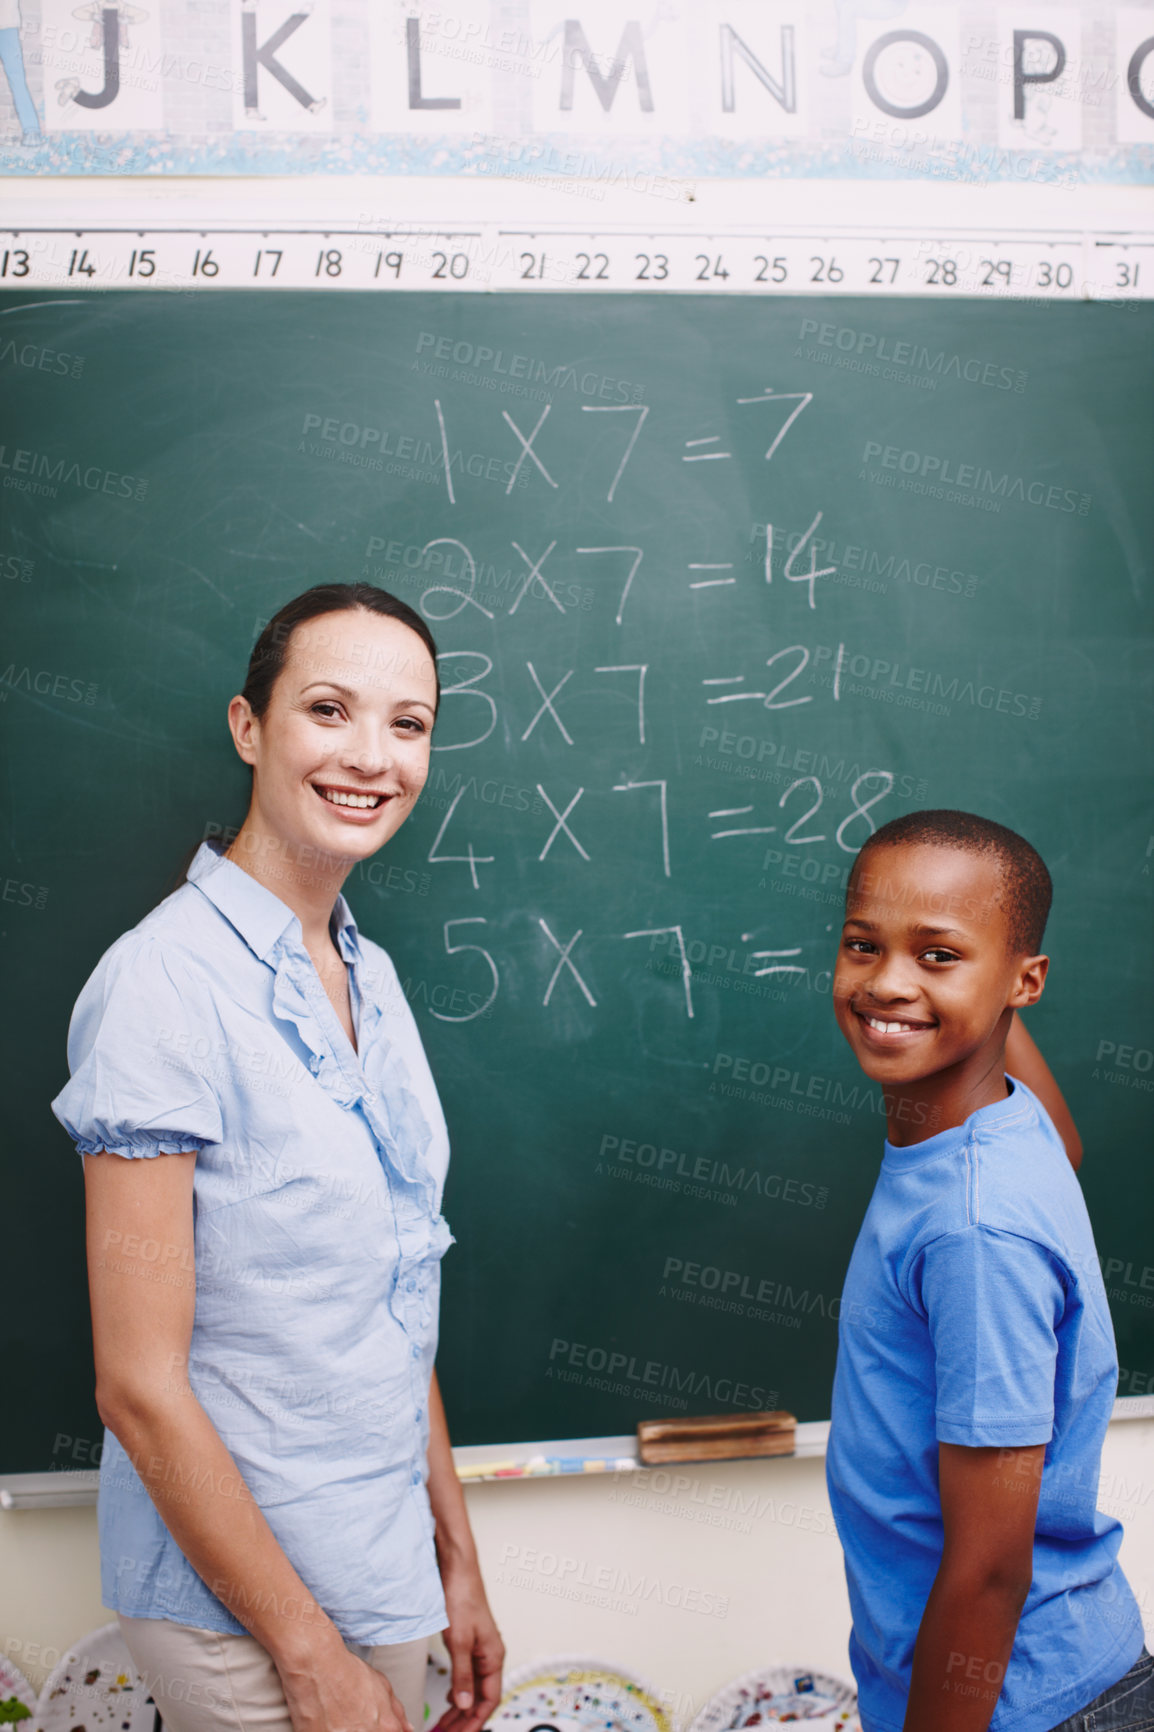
(793, 576)
(454, 950)
(705, 456)
(712, 582)
(632, 569)
(661, 786)
(802, 800)
(561, 824)
(640, 669)
(641, 411)
(468, 688)
(775, 967)
(534, 575)
(527, 448)
(686, 971)
(739, 830)
(859, 809)
(731, 697)
(565, 960)
(862, 809)
(465, 597)
(445, 450)
(547, 704)
(769, 699)
(769, 395)
(788, 703)
(471, 860)
(791, 834)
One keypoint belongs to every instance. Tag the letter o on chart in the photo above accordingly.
(941, 70)
(1134, 76)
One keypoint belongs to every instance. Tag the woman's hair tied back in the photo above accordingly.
(270, 651)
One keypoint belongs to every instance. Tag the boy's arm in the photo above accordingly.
(989, 1506)
(1025, 1061)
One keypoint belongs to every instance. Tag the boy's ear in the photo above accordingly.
(1029, 981)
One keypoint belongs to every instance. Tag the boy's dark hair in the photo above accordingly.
(271, 648)
(1029, 890)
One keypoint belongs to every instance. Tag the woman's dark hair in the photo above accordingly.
(271, 648)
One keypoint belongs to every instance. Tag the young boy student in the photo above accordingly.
(976, 1366)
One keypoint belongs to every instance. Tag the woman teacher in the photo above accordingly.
(281, 1525)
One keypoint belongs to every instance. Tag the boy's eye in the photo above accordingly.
(861, 945)
(937, 954)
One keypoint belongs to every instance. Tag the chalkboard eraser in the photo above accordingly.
(716, 1437)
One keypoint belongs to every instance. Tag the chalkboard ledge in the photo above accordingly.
(475, 1463)
(480, 1462)
(582, 1456)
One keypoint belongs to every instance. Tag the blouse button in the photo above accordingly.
(410, 1286)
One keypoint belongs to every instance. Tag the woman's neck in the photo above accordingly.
(304, 878)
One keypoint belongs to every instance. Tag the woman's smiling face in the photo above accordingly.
(342, 751)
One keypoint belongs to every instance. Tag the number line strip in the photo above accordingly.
(963, 262)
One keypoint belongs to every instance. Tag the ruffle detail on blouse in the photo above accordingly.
(400, 1129)
(141, 1146)
(291, 1003)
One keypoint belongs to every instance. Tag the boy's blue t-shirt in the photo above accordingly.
(974, 1313)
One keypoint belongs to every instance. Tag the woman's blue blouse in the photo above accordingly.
(318, 1239)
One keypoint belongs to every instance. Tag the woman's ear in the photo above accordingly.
(245, 729)
(1030, 980)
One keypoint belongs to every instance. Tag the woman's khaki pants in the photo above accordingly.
(203, 1681)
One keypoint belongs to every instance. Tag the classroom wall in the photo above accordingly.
(739, 1566)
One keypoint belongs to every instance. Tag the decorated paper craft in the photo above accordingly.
(17, 1697)
(96, 1686)
(576, 1695)
(780, 1695)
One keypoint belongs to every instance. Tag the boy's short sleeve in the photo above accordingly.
(136, 1089)
(993, 1301)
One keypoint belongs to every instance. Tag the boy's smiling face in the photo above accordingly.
(926, 980)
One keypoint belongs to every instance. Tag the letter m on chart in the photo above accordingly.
(605, 72)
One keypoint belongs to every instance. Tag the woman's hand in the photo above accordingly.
(475, 1649)
(328, 1689)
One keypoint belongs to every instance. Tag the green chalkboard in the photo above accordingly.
(655, 761)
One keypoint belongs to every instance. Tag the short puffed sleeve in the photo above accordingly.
(138, 1086)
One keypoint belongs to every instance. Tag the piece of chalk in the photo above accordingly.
(539, 1466)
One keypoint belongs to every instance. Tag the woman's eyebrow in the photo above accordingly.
(333, 686)
(352, 694)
